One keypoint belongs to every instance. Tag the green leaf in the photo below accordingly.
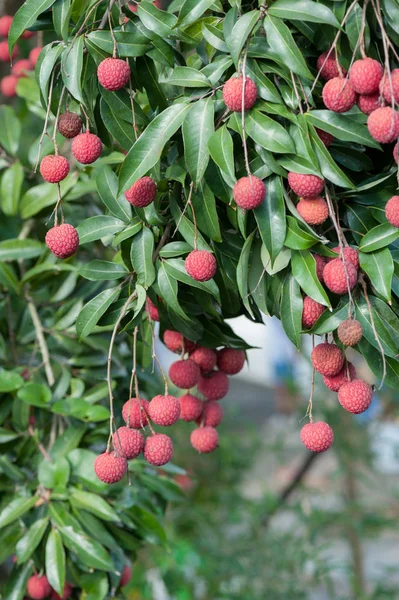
(55, 561)
(379, 267)
(374, 361)
(25, 17)
(270, 217)
(176, 269)
(329, 168)
(20, 249)
(186, 227)
(103, 270)
(72, 66)
(10, 130)
(120, 129)
(268, 133)
(94, 310)
(174, 249)
(35, 394)
(197, 129)
(354, 31)
(10, 190)
(44, 68)
(240, 33)
(385, 322)
(61, 16)
(96, 586)
(284, 47)
(16, 583)
(95, 228)
(53, 474)
(128, 43)
(291, 310)
(191, 10)
(154, 19)
(82, 463)
(10, 381)
(304, 271)
(93, 503)
(41, 196)
(297, 238)
(303, 10)
(188, 77)
(169, 288)
(107, 187)
(342, 127)
(242, 272)
(329, 321)
(379, 237)
(220, 146)
(16, 509)
(141, 252)
(30, 541)
(8, 278)
(206, 213)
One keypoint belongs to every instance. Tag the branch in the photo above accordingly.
(40, 338)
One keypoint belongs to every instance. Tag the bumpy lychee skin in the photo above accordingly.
(134, 412)
(329, 69)
(126, 575)
(305, 186)
(128, 442)
(232, 93)
(21, 67)
(164, 410)
(355, 396)
(8, 86)
(62, 240)
(327, 359)
(38, 587)
(4, 53)
(320, 264)
(190, 407)
(201, 265)
(86, 148)
(214, 386)
(350, 332)
(334, 382)
(205, 358)
(365, 75)
(249, 192)
(392, 211)
(325, 137)
(110, 467)
(176, 342)
(212, 414)
(383, 125)
(385, 86)
(151, 310)
(65, 595)
(313, 211)
(396, 153)
(312, 310)
(113, 74)
(334, 276)
(69, 124)
(231, 361)
(350, 255)
(368, 104)
(317, 437)
(339, 95)
(34, 55)
(142, 192)
(204, 439)
(158, 449)
(184, 373)
(54, 168)
(5, 24)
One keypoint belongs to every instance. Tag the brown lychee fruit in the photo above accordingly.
(69, 124)
(305, 186)
(184, 373)
(158, 449)
(128, 442)
(110, 467)
(355, 396)
(249, 192)
(201, 265)
(142, 192)
(327, 359)
(350, 332)
(230, 360)
(392, 211)
(338, 276)
(134, 413)
(86, 148)
(214, 386)
(383, 125)
(205, 358)
(54, 168)
(62, 240)
(312, 310)
(365, 75)
(347, 373)
(232, 93)
(164, 410)
(317, 437)
(113, 73)
(313, 211)
(204, 439)
(339, 95)
(190, 407)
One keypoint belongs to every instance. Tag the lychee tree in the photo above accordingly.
(225, 159)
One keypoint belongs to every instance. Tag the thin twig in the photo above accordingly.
(296, 93)
(44, 132)
(133, 378)
(376, 336)
(39, 444)
(162, 242)
(243, 135)
(105, 17)
(40, 338)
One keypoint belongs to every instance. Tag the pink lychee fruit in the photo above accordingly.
(230, 360)
(54, 168)
(38, 587)
(338, 276)
(365, 75)
(62, 240)
(21, 67)
(4, 53)
(204, 439)
(214, 386)
(327, 359)
(152, 310)
(325, 137)
(158, 449)
(66, 594)
(184, 373)
(320, 264)
(232, 93)
(305, 186)
(34, 55)
(8, 86)
(190, 407)
(126, 575)
(134, 413)
(176, 342)
(317, 437)
(142, 192)
(392, 211)
(86, 148)
(313, 211)
(312, 310)
(328, 68)
(355, 396)
(128, 442)
(110, 467)
(385, 87)
(249, 192)
(113, 73)
(205, 358)
(396, 153)
(5, 24)
(347, 373)
(339, 95)
(350, 255)
(383, 125)
(368, 104)
(201, 265)
(212, 414)
(164, 410)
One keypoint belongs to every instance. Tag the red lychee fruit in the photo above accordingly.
(134, 412)
(350, 255)
(249, 192)
(232, 93)
(313, 211)
(8, 86)
(392, 211)
(184, 373)
(86, 148)
(133, 6)
(305, 186)
(368, 104)
(383, 125)
(355, 396)
(66, 594)
(128, 442)
(365, 75)
(176, 342)
(320, 264)
(335, 276)
(158, 449)
(110, 467)
(317, 437)
(164, 410)
(334, 382)
(62, 240)
(54, 168)
(327, 359)
(126, 575)
(34, 55)
(396, 153)
(325, 137)
(201, 265)
(5, 24)
(4, 53)
(339, 95)
(385, 87)
(21, 67)
(113, 74)
(69, 124)
(230, 360)
(204, 439)
(205, 358)
(152, 310)
(190, 407)
(329, 69)
(311, 312)
(350, 332)
(38, 587)
(212, 414)
(142, 192)
(214, 386)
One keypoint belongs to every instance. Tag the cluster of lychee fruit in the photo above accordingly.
(311, 206)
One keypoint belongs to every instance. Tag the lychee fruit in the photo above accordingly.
(329, 69)
(385, 87)
(350, 255)
(54, 168)
(339, 95)
(142, 192)
(164, 410)
(325, 137)
(176, 342)
(184, 373)
(134, 412)
(62, 240)
(27, 34)
(368, 104)
(312, 310)
(212, 414)
(5, 24)
(190, 407)
(383, 125)
(201, 265)
(334, 382)
(305, 186)
(335, 276)
(34, 55)
(133, 6)
(327, 359)
(113, 74)
(128, 442)
(320, 264)
(249, 192)
(231, 360)
(158, 449)
(214, 386)
(365, 75)
(8, 86)
(152, 310)
(204, 439)
(66, 594)
(396, 153)
(4, 53)
(110, 467)
(317, 437)
(69, 124)
(232, 93)
(392, 211)
(86, 147)
(313, 211)
(205, 358)
(355, 396)
(126, 575)
(21, 67)
(350, 332)
(38, 587)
